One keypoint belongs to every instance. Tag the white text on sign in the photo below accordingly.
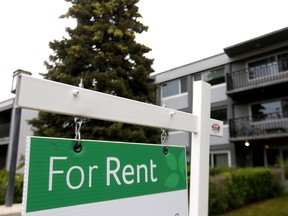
(130, 174)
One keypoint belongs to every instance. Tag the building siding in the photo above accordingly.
(238, 102)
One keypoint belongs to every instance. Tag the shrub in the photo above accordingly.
(3, 186)
(18, 187)
(219, 170)
(237, 187)
(218, 201)
(228, 188)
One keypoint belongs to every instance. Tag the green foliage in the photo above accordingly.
(228, 190)
(276, 206)
(21, 162)
(18, 186)
(219, 170)
(3, 186)
(102, 47)
(218, 195)
(239, 187)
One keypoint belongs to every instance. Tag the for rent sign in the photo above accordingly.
(105, 178)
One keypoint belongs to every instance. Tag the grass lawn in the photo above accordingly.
(272, 207)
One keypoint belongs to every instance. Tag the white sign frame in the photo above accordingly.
(55, 97)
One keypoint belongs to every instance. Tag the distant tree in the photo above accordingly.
(102, 51)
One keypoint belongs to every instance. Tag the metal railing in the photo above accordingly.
(260, 125)
(4, 130)
(258, 74)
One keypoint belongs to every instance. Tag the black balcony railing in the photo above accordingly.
(4, 130)
(257, 74)
(259, 126)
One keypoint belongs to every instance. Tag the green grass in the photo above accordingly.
(272, 207)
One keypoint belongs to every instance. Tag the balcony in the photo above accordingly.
(273, 125)
(256, 77)
(4, 130)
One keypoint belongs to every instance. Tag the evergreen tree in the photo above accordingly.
(102, 51)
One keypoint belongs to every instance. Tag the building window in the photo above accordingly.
(263, 67)
(270, 110)
(268, 66)
(213, 77)
(220, 114)
(174, 87)
(220, 159)
(283, 62)
(3, 156)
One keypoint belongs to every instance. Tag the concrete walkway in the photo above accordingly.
(14, 210)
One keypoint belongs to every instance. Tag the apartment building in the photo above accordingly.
(249, 83)
(7, 119)
(5, 125)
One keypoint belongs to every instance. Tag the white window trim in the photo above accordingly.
(220, 152)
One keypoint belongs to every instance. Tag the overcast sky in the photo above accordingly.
(180, 32)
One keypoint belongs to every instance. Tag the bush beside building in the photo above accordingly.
(229, 188)
(235, 188)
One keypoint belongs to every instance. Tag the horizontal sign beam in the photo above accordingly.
(49, 96)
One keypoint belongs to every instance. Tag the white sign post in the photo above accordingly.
(49, 96)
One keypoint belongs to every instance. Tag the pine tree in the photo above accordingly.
(102, 51)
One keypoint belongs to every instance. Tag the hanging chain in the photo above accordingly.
(164, 136)
(164, 140)
(78, 123)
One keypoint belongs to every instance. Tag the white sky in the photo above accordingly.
(180, 32)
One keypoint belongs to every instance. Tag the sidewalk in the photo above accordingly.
(14, 210)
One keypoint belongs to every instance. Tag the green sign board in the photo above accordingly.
(105, 178)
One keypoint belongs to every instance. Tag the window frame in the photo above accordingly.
(256, 118)
(274, 65)
(179, 86)
(211, 157)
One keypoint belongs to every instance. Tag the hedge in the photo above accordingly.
(236, 188)
(229, 188)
